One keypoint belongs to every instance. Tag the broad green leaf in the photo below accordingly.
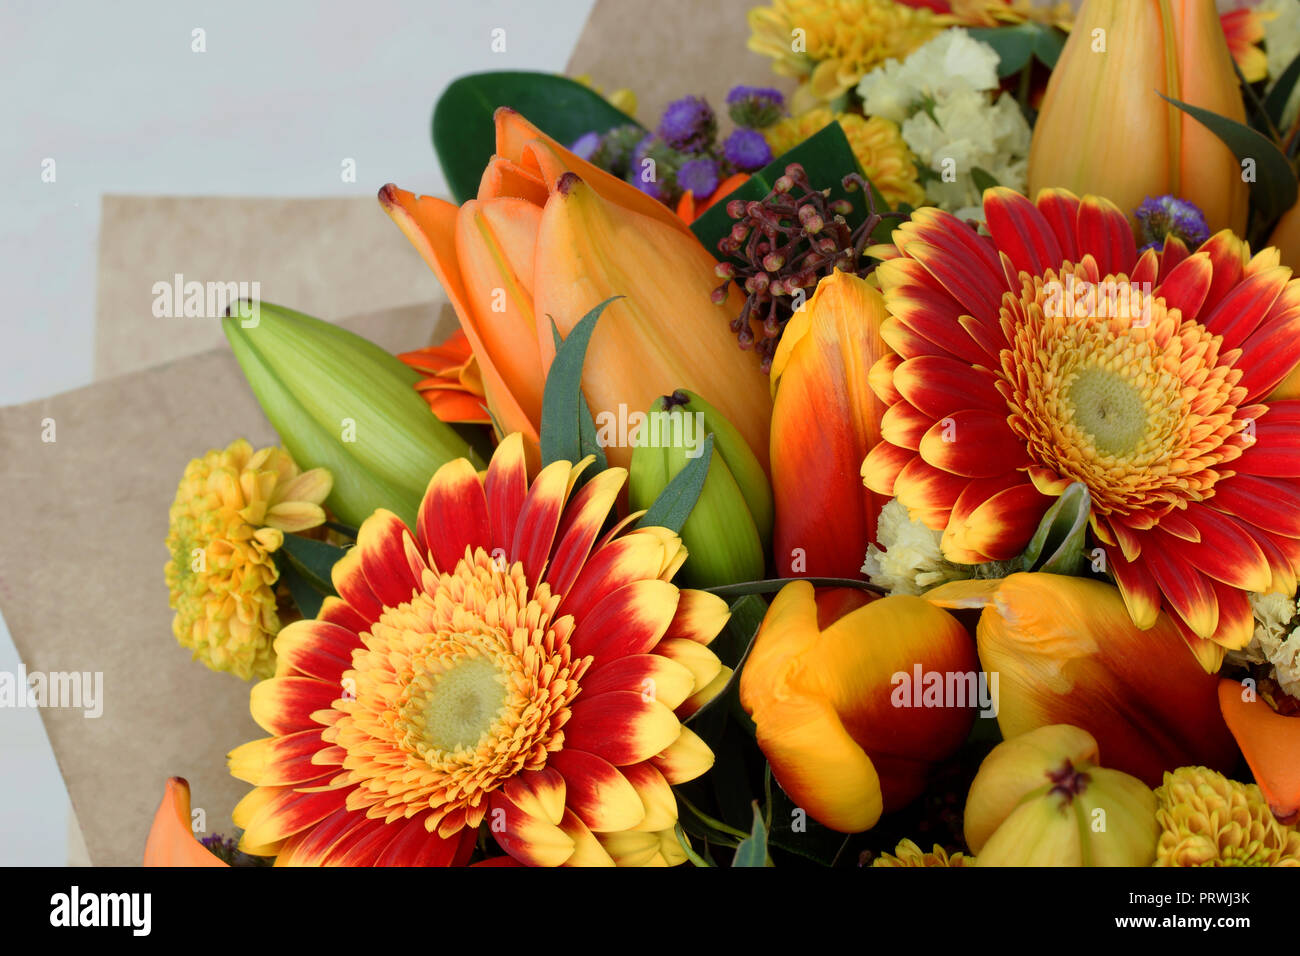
(674, 504)
(314, 559)
(753, 849)
(305, 594)
(464, 134)
(563, 406)
(1016, 44)
(825, 156)
(1274, 190)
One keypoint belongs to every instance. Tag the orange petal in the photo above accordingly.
(1270, 743)
(171, 840)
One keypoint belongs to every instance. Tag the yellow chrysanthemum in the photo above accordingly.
(1208, 820)
(908, 853)
(833, 43)
(1001, 13)
(876, 142)
(229, 517)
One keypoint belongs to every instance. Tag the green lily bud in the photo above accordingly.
(343, 403)
(729, 532)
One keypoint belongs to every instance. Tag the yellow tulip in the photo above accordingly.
(834, 706)
(550, 236)
(1104, 130)
(1067, 652)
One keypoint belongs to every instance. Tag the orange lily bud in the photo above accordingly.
(1102, 103)
(825, 418)
(847, 733)
(663, 334)
(171, 841)
(1067, 652)
(453, 386)
(551, 235)
(1271, 744)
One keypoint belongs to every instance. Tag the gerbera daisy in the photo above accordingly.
(503, 665)
(1010, 383)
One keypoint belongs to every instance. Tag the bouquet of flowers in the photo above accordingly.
(898, 468)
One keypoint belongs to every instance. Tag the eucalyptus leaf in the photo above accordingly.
(305, 595)
(753, 849)
(464, 132)
(565, 415)
(1274, 189)
(675, 503)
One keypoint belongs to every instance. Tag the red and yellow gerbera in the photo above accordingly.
(505, 665)
(1010, 382)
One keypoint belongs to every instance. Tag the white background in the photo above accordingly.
(114, 94)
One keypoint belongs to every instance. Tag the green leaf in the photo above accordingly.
(314, 559)
(1057, 546)
(675, 503)
(1048, 46)
(732, 647)
(753, 849)
(1274, 189)
(464, 133)
(1275, 101)
(699, 824)
(825, 156)
(565, 415)
(305, 595)
(982, 179)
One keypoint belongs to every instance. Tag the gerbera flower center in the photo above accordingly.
(463, 704)
(1109, 386)
(456, 691)
(1109, 409)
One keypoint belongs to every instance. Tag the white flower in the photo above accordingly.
(965, 131)
(1272, 644)
(950, 63)
(909, 560)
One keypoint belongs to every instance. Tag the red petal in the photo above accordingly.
(1001, 523)
(505, 486)
(975, 444)
(316, 649)
(1060, 208)
(595, 790)
(1226, 551)
(1269, 355)
(882, 465)
(453, 515)
(539, 519)
(350, 582)
(1243, 307)
(284, 705)
(1270, 503)
(1104, 231)
(382, 551)
(1187, 591)
(938, 386)
(1236, 617)
(623, 727)
(1275, 453)
(630, 620)
(1021, 231)
(416, 846)
(1138, 588)
(583, 518)
(1187, 285)
(904, 425)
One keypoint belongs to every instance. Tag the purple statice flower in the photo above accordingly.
(700, 176)
(747, 150)
(1166, 216)
(586, 145)
(754, 107)
(688, 125)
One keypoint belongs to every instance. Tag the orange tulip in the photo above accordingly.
(549, 237)
(838, 716)
(1103, 130)
(825, 418)
(171, 841)
(452, 385)
(1067, 652)
(1270, 743)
